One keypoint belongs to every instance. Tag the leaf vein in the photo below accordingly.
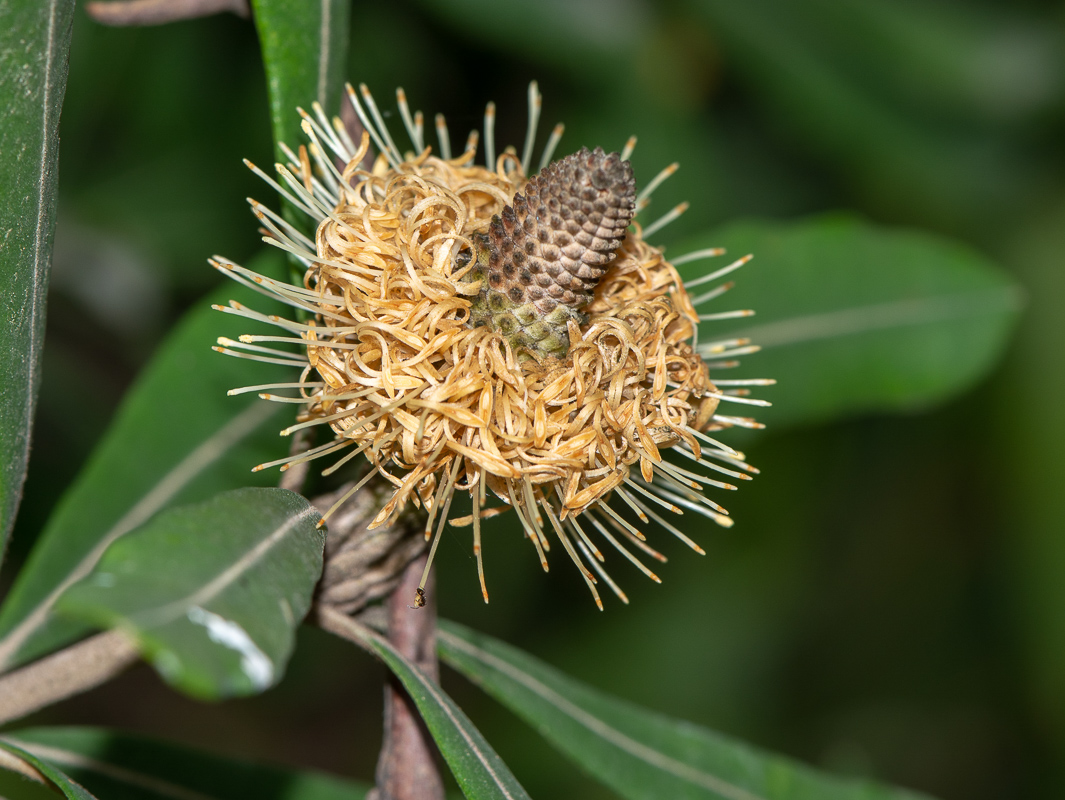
(71, 759)
(208, 451)
(597, 726)
(899, 313)
(210, 590)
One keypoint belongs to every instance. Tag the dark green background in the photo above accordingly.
(890, 602)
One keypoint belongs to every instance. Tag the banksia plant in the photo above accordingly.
(472, 329)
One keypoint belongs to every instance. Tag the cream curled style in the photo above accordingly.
(470, 330)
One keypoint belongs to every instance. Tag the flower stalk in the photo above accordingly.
(408, 766)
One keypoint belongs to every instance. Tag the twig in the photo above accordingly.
(160, 12)
(76, 669)
(407, 768)
(295, 476)
(362, 565)
(12, 762)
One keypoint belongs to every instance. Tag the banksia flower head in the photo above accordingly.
(472, 329)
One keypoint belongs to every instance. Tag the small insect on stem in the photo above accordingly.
(419, 598)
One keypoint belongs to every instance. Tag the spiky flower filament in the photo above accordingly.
(395, 369)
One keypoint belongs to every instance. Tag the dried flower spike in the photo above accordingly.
(477, 331)
(543, 256)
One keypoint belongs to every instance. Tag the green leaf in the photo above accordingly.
(855, 318)
(639, 754)
(176, 439)
(69, 788)
(305, 49)
(121, 766)
(480, 772)
(212, 592)
(34, 42)
(16, 786)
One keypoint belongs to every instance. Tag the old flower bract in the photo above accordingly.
(409, 359)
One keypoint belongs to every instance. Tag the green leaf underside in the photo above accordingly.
(34, 43)
(69, 788)
(176, 439)
(125, 767)
(480, 772)
(211, 592)
(304, 46)
(855, 318)
(639, 754)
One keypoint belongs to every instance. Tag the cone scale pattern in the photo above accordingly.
(543, 255)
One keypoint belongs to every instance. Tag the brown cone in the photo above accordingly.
(543, 256)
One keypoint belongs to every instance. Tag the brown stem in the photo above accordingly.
(159, 12)
(13, 763)
(363, 565)
(295, 476)
(407, 768)
(353, 125)
(76, 669)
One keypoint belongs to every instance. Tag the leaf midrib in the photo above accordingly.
(649, 755)
(40, 265)
(881, 316)
(382, 646)
(161, 615)
(69, 758)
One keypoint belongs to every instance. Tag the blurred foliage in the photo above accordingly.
(119, 767)
(889, 603)
(70, 789)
